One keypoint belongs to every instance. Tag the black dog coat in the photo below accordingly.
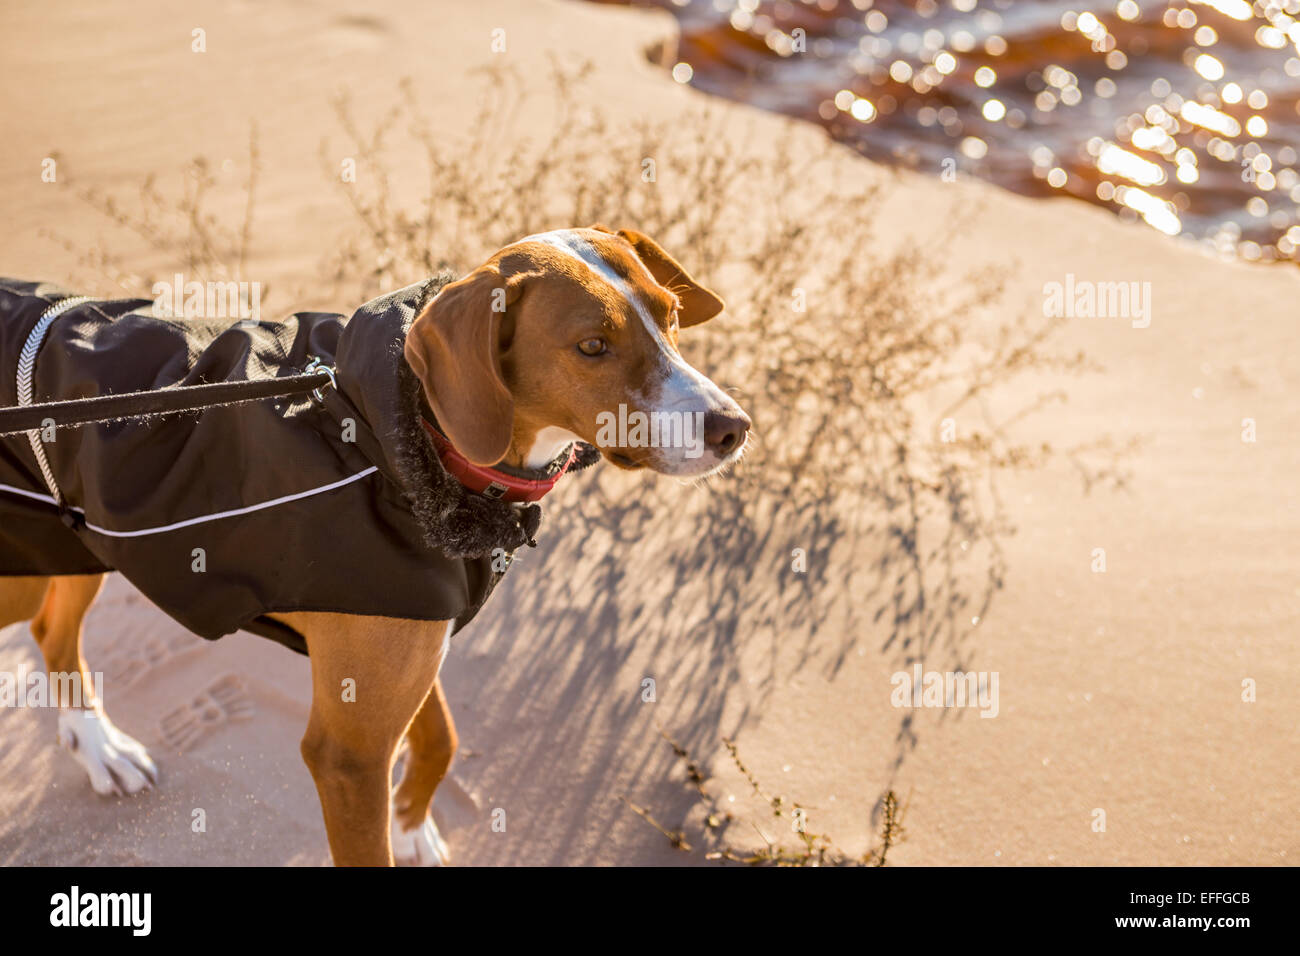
(228, 515)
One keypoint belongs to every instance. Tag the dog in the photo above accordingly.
(511, 370)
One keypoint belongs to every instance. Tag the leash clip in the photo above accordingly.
(316, 365)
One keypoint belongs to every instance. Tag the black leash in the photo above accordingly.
(164, 401)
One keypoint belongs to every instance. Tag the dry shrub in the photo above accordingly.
(807, 847)
(187, 227)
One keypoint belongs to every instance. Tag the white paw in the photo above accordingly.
(117, 764)
(422, 846)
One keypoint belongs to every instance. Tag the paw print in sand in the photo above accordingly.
(222, 701)
(123, 666)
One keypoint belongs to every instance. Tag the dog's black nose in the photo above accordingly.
(724, 432)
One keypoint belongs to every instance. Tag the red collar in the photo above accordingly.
(490, 482)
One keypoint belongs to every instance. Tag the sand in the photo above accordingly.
(1119, 691)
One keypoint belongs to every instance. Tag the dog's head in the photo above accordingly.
(573, 335)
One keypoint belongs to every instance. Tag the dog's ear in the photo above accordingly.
(454, 348)
(698, 303)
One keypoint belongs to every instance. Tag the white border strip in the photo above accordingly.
(203, 518)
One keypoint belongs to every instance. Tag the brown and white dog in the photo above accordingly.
(582, 321)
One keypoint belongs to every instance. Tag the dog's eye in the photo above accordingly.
(592, 346)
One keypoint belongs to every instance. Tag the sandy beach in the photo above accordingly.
(1123, 690)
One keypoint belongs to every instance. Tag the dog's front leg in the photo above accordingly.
(369, 677)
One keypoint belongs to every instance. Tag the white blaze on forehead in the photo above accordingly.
(683, 385)
(574, 246)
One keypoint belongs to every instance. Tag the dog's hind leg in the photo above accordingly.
(117, 763)
(20, 598)
(431, 745)
(370, 675)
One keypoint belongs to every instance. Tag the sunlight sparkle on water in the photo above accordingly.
(1183, 114)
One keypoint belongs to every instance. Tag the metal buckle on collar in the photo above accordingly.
(316, 365)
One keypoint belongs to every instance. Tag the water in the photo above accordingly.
(1182, 115)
